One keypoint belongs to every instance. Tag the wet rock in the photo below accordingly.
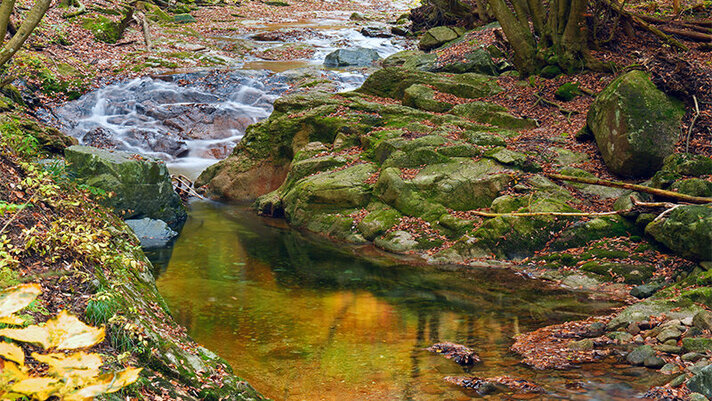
(702, 382)
(460, 354)
(639, 355)
(635, 125)
(438, 36)
(99, 138)
(596, 329)
(142, 186)
(687, 230)
(152, 233)
(356, 57)
(376, 32)
(378, 222)
(645, 290)
(653, 362)
(491, 385)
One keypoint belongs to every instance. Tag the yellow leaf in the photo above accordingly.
(37, 387)
(15, 298)
(31, 334)
(67, 332)
(80, 366)
(109, 383)
(13, 320)
(12, 352)
(10, 373)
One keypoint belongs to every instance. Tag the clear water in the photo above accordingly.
(303, 319)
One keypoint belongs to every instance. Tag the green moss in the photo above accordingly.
(568, 91)
(104, 29)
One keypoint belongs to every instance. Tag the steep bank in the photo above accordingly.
(88, 262)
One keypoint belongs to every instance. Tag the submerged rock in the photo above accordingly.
(142, 186)
(635, 125)
(152, 233)
(460, 354)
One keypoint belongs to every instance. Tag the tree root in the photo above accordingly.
(81, 9)
(641, 23)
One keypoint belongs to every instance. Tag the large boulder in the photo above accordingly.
(635, 125)
(686, 230)
(356, 57)
(142, 186)
(152, 233)
(478, 60)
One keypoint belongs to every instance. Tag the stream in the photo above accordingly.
(300, 318)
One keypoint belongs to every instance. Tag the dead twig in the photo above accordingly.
(692, 124)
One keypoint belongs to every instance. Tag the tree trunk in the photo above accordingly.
(23, 32)
(5, 12)
(520, 38)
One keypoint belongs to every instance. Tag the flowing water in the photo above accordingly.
(300, 318)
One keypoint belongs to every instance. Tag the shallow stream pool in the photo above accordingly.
(302, 319)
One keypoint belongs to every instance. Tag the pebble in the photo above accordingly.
(633, 328)
(692, 357)
(654, 362)
(638, 339)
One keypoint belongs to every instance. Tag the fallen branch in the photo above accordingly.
(692, 124)
(143, 22)
(692, 35)
(536, 214)
(633, 187)
(561, 108)
(81, 9)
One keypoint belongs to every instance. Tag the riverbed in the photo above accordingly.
(301, 318)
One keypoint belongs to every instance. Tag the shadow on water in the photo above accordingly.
(302, 319)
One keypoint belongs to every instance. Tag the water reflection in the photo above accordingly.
(304, 320)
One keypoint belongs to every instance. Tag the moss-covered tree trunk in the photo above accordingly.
(545, 33)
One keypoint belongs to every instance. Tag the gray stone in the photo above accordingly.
(142, 186)
(582, 345)
(356, 57)
(677, 381)
(478, 61)
(621, 336)
(152, 233)
(669, 369)
(702, 382)
(668, 348)
(654, 362)
(703, 320)
(639, 355)
(645, 290)
(699, 366)
(692, 357)
(669, 333)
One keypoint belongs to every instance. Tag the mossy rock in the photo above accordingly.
(436, 37)
(568, 91)
(184, 19)
(635, 125)
(392, 82)
(392, 190)
(693, 187)
(421, 62)
(490, 113)
(397, 242)
(582, 233)
(687, 230)
(103, 28)
(400, 58)
(423, 97)
(48, 138)
(680, 165)
(631, 273)
(477, 60)
(377, 222)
